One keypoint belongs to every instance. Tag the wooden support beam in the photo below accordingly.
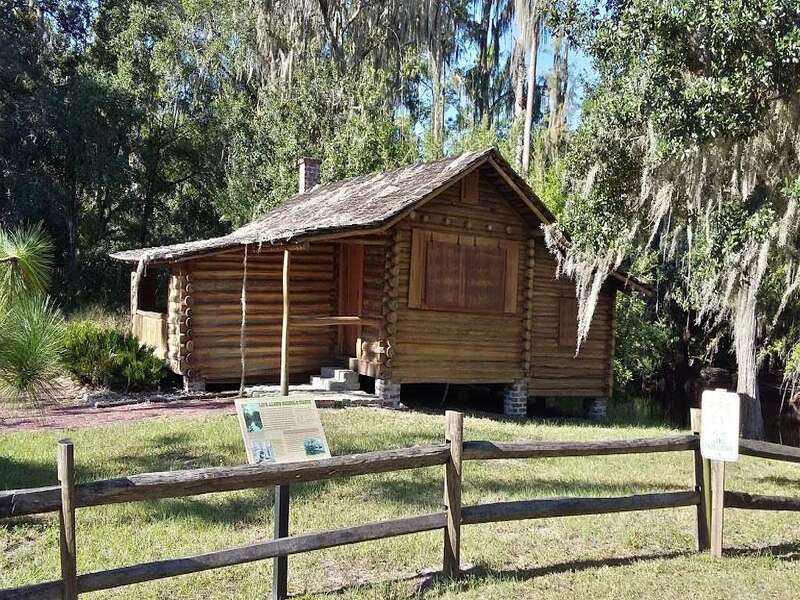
(702, 484)
(717, 505)
(285, 331)
(66, 477)
(454, 434)
(280, 563)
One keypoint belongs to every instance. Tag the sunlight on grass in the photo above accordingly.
(633, 555)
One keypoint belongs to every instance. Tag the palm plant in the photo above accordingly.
(31, 327)
(26, 258)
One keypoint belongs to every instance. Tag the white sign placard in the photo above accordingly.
(278, 429)
(719, 426)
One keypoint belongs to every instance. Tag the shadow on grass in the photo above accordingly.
(239, 509)
(475, 576)
(15, 473)
(789, 551)
(426, 491)
(783, 481)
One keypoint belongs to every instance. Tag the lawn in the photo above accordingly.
(632, 555)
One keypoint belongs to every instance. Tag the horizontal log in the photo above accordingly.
(235, 287)
(210, 355)
(769, 450)
(566, 507)
(175, 484)
(760, 502)
(264, 276)
(334, 320)
(206, 298)
(160, 569)
(479, 450)
(259, 309)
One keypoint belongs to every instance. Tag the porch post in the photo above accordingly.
(285, 331)
(280, 564)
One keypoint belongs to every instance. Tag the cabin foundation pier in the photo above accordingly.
(515, 399)
(596, 409)
(388, 392)
(193, 384)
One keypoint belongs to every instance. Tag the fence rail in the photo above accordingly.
(479, 450)
(569, 507)
(68, 496)
(191, 482)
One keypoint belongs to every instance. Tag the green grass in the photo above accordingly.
(633, 555)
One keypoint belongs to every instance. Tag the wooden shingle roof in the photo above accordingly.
(351, 205)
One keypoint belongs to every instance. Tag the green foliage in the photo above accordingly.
(342, 119)
(686, 142)
(641, 342)
(26, 257)
(109, 356)
(30, 324)
(31, 345)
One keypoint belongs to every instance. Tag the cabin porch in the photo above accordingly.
(197, 318)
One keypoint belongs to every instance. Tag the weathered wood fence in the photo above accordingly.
(68, 496)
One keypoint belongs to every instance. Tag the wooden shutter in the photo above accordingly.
(463, 272)
(485, 274)
(512, 275)
(419, 240)
(444, 275)
(470, 188)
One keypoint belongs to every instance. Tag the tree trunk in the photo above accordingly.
(437, 106)
(482, 79)
(519, 93)
(558, 92)
(752, 420)
(71, 225)
(529, 101)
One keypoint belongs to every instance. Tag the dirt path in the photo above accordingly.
(58, 417)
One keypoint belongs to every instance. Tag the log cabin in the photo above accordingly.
(431, 273)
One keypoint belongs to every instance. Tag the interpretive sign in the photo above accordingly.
(281, 429)
(719, 426)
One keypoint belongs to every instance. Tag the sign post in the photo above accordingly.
(280, 429)
(719, 443)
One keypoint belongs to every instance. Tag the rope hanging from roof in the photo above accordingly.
(242, 337)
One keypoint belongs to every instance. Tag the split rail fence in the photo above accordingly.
(65, 498)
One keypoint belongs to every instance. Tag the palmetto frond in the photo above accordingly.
(31, 343)
(26, 258)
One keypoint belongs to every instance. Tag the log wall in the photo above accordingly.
(179, 321)
(214, 300)
(555, 370)
(374, 344)
(459, 346)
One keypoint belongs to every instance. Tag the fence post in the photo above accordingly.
(454, 434)
(66, 478)
(717, 505)
(702, 484)
(280, 564)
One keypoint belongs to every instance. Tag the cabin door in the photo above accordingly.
(351, 277)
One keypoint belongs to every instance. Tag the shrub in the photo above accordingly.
(111, 357)
(31, 331)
